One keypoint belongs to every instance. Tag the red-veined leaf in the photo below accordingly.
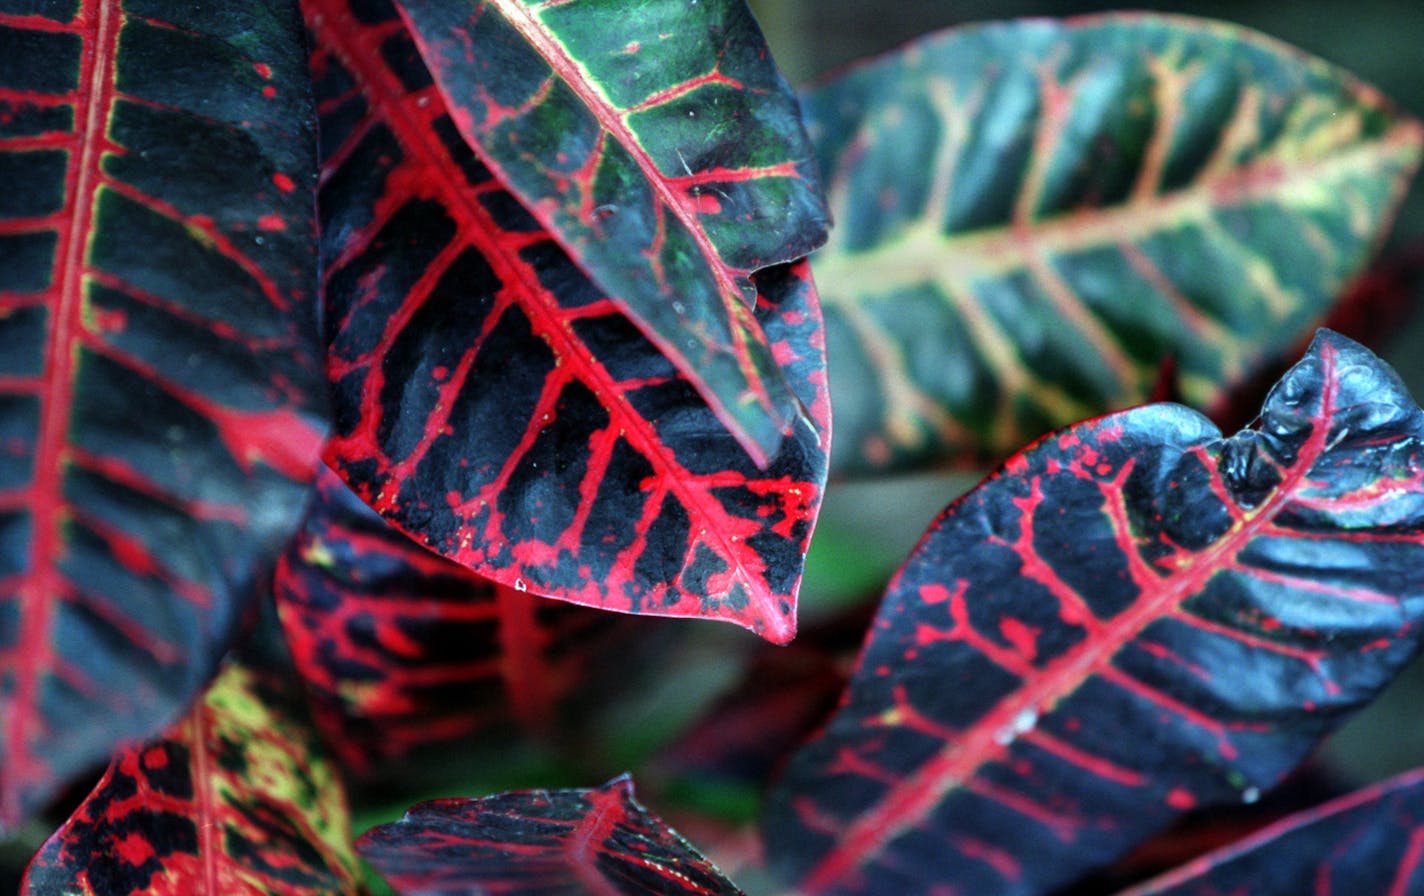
(1371, 841)
(597, 841)
(1135, 617)
(663, 150)
(160, 394)
(495, 405)
(402, 649)
(235, 799)
(1033, 215)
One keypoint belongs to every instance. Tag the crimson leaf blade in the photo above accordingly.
(1370, 841)
(663, 151)
(493, 404)
(161, 402)
(1057, 206)
(1135, 617)
(575, 841)
(235, 799)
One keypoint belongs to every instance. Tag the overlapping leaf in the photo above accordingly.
(1371, 841)
(158, 379)
(543, 841)
(236, 799)
(1032, 216)
(662, 149)
(495, 405)
(402, 649)
(1135, 617)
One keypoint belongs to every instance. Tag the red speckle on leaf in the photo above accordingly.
(155, 758)
(283, 182)
(1180, 799)
(440, 371)
(271, 222)
(134, 849)
(934, 593)
(110, 320)
(269, 91)
(706, 204)
(262, 69)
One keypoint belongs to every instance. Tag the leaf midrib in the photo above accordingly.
(921, 252)
(42, 583)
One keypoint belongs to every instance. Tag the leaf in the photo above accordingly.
(663, 150)
(494, 405)
(1134, 617)
(401, 649)
(597, 841)
(1368, 842)
(1033, 215)
(235, 799)
(160, 396)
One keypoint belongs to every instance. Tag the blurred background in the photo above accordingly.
(867, 527)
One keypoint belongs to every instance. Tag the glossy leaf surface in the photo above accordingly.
(492, 403)
(160, 398)
(1032, 216)
(1136, 616)
(1371, 841)
(402, 649)
(597, 841)
(236, 799)
(664, 151)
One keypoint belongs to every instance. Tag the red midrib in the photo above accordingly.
(908, 802)
(585, 844)
(414, 135)
(42, 584)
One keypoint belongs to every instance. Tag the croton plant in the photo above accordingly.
(358, 356)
